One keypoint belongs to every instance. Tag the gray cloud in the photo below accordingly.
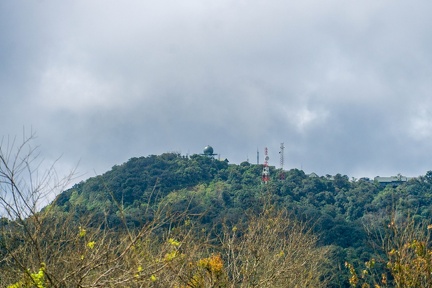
(344, 84)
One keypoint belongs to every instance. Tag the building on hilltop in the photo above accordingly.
(392, 180)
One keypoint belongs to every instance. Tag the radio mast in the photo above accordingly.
(266, 170)
(281, 152)
(257, 156)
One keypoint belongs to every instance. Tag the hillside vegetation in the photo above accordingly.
(174, 221)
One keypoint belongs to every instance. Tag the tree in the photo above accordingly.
(403, 257)
(50, 247)
(274, 250)
(23, 191)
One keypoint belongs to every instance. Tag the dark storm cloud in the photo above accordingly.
(344, 84)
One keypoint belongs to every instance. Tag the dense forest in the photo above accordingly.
(194, 221)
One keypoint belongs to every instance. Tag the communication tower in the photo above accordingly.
(281, 153)
(257, 156)
(266, 170)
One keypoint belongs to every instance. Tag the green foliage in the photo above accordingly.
(30, 280)
(217, 194)
(406, 258)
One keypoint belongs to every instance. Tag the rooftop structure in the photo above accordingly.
(392, 180)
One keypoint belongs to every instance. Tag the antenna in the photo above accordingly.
(257, 156)
(281, 152)
(266, 170)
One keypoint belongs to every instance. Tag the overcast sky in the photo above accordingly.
(345, 84)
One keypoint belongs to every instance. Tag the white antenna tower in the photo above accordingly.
(266, 169)
(281, 152)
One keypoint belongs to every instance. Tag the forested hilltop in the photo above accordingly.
(195, 209)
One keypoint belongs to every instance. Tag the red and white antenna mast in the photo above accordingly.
(266, 170)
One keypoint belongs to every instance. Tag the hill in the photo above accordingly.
(166, 191)
(218, 192)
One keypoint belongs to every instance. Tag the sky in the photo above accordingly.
(345, 85)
